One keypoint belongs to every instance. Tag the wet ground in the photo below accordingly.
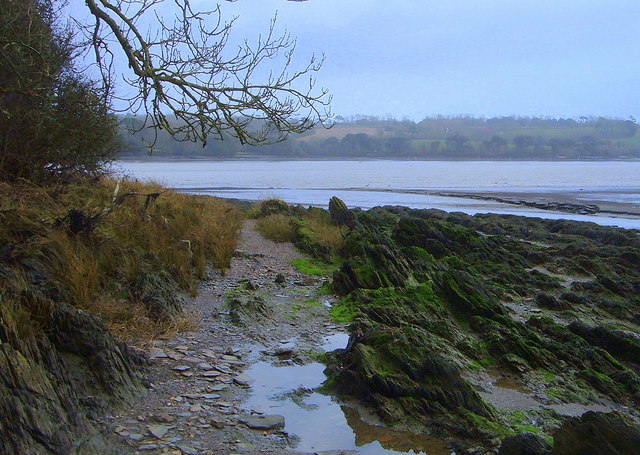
(224, 388)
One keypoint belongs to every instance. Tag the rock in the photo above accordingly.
(524, 444)
(263, 422)
(340, 213)
(181, 368)
(280, 279)
(52, 382)
(619, 343)
(250, 286)
(162, 417)
(187, 449)
(136, 436)
(550, 302)
(157, 353)
(159, 430)
(243, 380)
(596, 433)
(211, 374)
(205, 366)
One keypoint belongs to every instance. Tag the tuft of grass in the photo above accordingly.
(276, 227)
(319, 227)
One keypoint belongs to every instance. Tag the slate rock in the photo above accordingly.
(263, 422)
(524, 444)
(597, 433)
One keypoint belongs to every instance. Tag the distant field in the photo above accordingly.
(341, 131)
(633, 141)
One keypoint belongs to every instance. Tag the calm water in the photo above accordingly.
(367, 184)
(318, 421)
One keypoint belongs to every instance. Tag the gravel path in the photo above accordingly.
(195, 402)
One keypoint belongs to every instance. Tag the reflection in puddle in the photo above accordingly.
(394, 440)
(335, 341)
(317, 420)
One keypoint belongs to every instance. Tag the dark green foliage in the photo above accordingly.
(53, 121)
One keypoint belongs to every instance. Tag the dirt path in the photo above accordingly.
(196, 403)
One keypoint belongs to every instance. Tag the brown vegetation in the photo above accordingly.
(130, 247)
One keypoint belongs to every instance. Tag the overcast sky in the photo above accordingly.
(419, 58)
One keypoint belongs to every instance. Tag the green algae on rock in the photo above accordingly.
(434, 297)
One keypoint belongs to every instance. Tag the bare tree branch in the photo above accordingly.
(188, 80)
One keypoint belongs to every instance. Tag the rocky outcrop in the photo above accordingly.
(595, 433)
(53, 382)
(524, 444)
(622, 345)
(340, 214)
(432, 293)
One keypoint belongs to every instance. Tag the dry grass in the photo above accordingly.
(320, 229)
(277, 227)
(175, 235)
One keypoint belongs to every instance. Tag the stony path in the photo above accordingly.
(195, 402)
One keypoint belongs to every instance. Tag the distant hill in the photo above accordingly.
(503, 138)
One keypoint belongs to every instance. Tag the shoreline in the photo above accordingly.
(258, 157)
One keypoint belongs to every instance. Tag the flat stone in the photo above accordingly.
(223, 369)
(211, 396)
(136, 436)
(157, 353)
(211, 374)
(149, 447)
(243, 380)
(159, 430)
(162, 417)
(218, 388)
(205, 366)
(173, 355)
(187, 450)
(181, 368)
(264, 422)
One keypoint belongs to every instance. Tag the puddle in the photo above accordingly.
(317, 420)
(512, 384)
(335, 341)
(508, 393)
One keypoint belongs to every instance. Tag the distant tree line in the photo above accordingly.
(432, 138)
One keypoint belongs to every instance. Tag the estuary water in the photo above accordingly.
(370, 183)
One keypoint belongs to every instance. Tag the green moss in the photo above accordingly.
(547, 376)
(314, 267)
(297, 306)
(485, 425)
(344, 310)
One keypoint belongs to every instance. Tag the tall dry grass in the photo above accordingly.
(96, 269)
(277, 227)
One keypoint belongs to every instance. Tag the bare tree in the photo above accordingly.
(186, 68)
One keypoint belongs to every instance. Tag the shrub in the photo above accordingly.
(53, 120)
(276, 227)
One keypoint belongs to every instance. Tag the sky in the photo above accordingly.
(418, 58)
